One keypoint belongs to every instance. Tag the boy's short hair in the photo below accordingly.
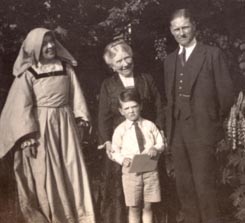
(129, 95)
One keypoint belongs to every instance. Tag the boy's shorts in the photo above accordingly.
(139, 187)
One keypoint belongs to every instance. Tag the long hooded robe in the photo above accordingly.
(44, 101)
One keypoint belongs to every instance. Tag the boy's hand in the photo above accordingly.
(152, 152)
(126, 162)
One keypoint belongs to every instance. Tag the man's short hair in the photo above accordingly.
(130, 94)
(186, 13)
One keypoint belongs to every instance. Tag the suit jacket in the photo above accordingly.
(210, 89)
(109, 116)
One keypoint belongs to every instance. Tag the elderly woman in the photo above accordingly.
(38, 122)
(118, 56)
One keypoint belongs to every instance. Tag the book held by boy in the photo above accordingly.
(143, 163)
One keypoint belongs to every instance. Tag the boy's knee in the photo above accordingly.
(135, 209)
(147, 206)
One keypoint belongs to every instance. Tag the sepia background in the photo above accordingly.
(85, 27)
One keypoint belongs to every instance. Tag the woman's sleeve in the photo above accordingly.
(158, 103)
(77, 99)
(105, 116)
(17, 119)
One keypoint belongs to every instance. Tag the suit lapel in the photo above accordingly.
(194, 64)
(171, 70)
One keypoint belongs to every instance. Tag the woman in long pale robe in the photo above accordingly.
(42, 104)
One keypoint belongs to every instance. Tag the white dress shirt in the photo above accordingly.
(189, 49)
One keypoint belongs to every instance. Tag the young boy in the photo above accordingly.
(140, 189)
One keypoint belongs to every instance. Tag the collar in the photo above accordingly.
(190, 47)
(123, 77)
(130, 123)
(46, 68)
(127, 81)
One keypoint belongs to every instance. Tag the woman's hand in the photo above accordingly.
(29, 147)
(108, 148)
(83, 123)
(85, 129)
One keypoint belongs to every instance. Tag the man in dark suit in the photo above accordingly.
(199, 94)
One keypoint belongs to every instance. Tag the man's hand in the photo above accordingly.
(126, 162)
(164, 139)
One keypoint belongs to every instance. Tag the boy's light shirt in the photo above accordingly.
(124, 141)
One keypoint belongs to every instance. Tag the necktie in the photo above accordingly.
(183, 56)
(139, 136)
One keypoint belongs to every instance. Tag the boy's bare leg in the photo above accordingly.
(147, 215)
(134, 214)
